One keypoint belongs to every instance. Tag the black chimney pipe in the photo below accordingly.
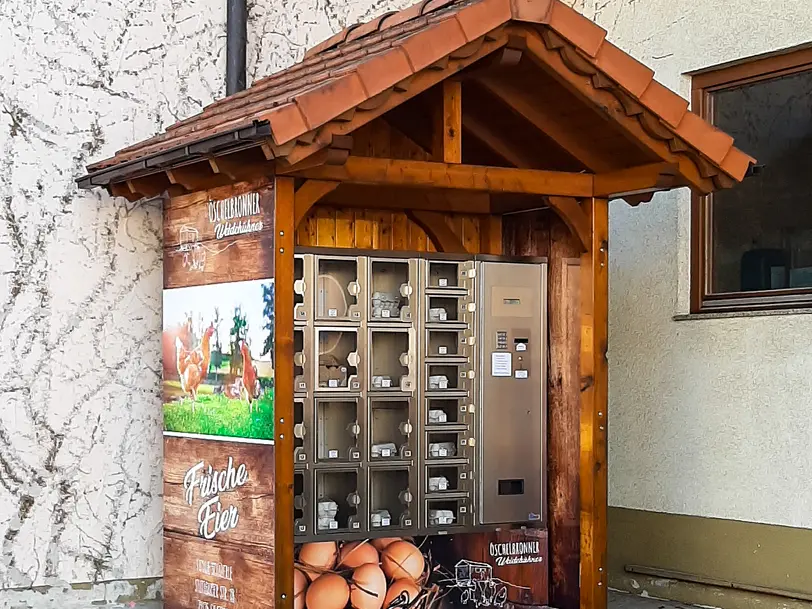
(236, 27)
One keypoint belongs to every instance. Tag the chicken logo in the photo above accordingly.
(193, 364)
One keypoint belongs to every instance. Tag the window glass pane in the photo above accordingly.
(761, 230)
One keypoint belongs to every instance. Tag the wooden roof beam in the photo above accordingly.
(451, 201)
(441, 234)
(637, 181)
(423, 174)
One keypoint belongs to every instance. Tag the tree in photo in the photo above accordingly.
(239, 328)
(268, 297)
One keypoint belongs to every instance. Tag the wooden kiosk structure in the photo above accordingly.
(497, 127)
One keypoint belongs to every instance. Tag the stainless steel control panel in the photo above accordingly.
(512, 332)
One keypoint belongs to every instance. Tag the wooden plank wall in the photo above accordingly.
(380, 230)
(544, 234)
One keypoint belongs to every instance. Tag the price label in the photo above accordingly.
(386, 383)
(443, 282)
(333, 524)
(385, 522)
(332, 454)
(332, 383)
(443, 316)
(385, 452)
(332, 312)
(443, 452)
(385, 313)
(442, 485)
(442, 350)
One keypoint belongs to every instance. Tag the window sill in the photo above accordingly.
(732, 314)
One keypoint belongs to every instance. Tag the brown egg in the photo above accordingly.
(402, 559)
(321, 555)
(368, 587)
(401, 586)
(357, 553)
(330, 591)
(381, 543)
(299, 589)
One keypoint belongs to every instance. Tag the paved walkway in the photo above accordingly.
(621, 600)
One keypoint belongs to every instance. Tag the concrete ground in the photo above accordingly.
(623, 600)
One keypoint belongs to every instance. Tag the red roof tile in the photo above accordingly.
(365, 60)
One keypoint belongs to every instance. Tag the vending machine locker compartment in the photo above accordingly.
(442, 345)
(301, 508)
(446, 275)
(338, 430)
(302, 350)
(448, 412)
(448, 479)
(302, 433)
(391, 499)
(443, 445)
(339, 505)
(447, 513)
(302, 288)
(446, 310)
(391, 429)
(392, 284)
(339, 288)
(447, 378)
(391, 360)
(339, 361)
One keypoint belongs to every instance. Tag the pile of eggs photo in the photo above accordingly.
(357, 574)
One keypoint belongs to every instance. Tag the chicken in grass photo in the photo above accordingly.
(193, 365)
(218, 372)
(250, 387)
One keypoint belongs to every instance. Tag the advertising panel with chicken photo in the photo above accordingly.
(218, 369)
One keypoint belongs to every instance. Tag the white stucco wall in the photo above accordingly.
(708, 417)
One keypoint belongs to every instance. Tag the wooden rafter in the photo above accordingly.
(570, 69)
(574, 217)
(197, 176)
(422, 174)
(545, 121)
(496, 142)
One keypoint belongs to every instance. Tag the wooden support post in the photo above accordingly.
(594, 397)
(447, 142)
(283, 388)
(490, 235)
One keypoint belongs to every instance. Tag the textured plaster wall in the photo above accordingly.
(707, 417)
(80, 275)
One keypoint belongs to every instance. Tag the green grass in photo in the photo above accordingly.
(217, 415)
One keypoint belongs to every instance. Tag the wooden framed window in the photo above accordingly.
(752, 244)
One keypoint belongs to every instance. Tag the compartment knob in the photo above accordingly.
(354, 288)
(354, 428)
(354, 499)
(405, 497)
(405, 290)
(299, 430)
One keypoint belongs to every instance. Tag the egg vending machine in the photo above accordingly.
(419, 430)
